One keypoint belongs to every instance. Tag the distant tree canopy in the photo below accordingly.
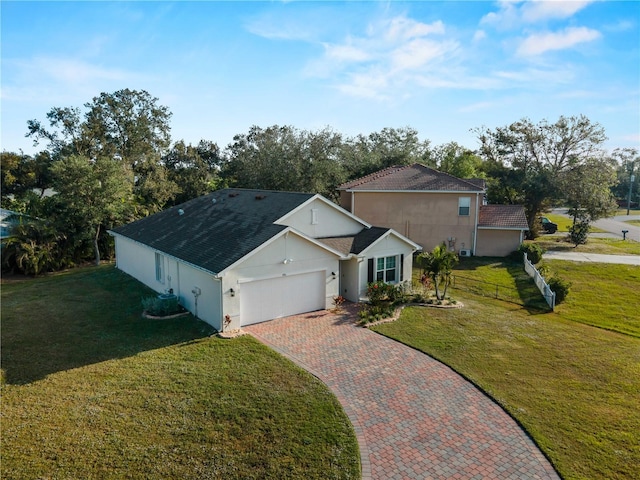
(535, 164)
(112, 162)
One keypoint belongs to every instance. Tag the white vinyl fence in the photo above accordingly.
(547, 293)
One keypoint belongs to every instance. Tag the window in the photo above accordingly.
(464, 206)
(386, 269)
(314, 216)
(160, 267)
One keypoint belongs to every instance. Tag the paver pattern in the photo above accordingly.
(414, 417)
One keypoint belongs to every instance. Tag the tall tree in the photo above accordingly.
(457, 160)
(541, 154)
(127, 125)
(92, 196)
(284, 158)
(363, 155)
(193, 169)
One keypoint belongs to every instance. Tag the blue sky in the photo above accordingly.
(442, 68)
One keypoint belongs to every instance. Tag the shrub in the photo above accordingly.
(560, 287)
(579, 232)
(380, 292)
(533, 250)
(159, 307)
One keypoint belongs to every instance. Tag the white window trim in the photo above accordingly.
(160, 268)
(384, 270)
(461, 201)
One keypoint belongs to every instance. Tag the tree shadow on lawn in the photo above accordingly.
(524, 293)
(78, 318)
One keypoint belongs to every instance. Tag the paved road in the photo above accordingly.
(614, 225)
(414, 417)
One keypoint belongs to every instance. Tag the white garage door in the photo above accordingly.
(282, 296)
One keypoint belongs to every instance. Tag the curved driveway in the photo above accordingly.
(414, 417)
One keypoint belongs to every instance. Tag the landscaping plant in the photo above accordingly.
(438, 265)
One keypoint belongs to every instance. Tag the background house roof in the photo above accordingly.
(215, 230)
(414, 177)
(503, 216)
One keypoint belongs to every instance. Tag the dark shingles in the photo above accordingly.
(357, 243)
(414, 177)
(214, 235)
(504, 216)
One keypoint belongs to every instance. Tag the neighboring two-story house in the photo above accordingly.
(431, 207)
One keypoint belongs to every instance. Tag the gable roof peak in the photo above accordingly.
(414, 177)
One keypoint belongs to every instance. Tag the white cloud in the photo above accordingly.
(512, 14)
(539, 10)
(391, 54)
(479, 35)
(539, 43)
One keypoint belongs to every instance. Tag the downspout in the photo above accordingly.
(353, 202)
(475, 223)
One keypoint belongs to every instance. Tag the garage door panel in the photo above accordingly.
(278, 297)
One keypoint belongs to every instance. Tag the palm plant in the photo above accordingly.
(438, 265)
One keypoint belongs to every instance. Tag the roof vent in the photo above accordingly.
(180, 212)
(214, 201)
(260, 197)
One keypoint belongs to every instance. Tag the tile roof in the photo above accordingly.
(215, 230)
(414, 177)
(503, 216)
(357, 243)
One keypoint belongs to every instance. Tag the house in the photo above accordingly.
(237, 257)
(431, 207)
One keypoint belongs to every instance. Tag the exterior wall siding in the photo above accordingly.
(497, 243)
(140, 262)
(427, 218)
(330, 221)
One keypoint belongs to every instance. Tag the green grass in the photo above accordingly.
(564, 223)
(611, 246)
(94, 391)
(602, 295)
(574, 388)
(633, 222)
(623, 211)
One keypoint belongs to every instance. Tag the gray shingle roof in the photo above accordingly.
(503, 216)
(215, 230)
(414, 177)
(357, 243)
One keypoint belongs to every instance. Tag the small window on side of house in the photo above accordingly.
(464, 206)
(160, 267)
(314, 216)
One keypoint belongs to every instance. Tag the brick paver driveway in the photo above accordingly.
(414, 417)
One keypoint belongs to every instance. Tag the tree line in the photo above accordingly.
(113, 162)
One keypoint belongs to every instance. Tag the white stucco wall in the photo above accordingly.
(268, 262)
(332, 221)
(387, 246)
(139, 261)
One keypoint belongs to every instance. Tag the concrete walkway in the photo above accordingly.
(414, 417)
(592, 257)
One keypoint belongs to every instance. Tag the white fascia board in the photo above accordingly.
(177, 259)
(401, 237)
(317, 196)
(273, 239)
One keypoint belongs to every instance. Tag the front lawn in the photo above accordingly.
(574, 388)
(94, 391)
(611, 246)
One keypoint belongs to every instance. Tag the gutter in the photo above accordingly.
(475, 223)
